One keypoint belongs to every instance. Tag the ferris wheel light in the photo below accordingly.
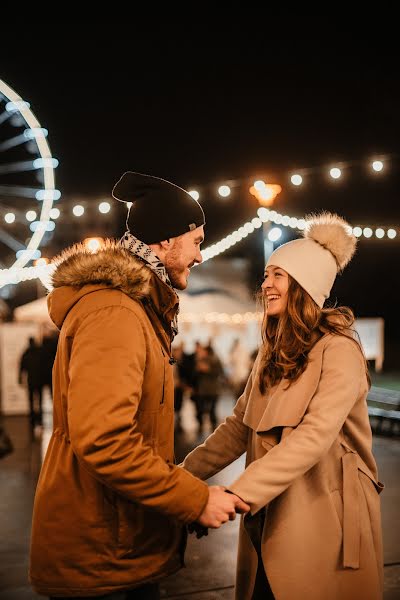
(35, 254)
(41, 163)
(9, 218)
(78, 210)
(48, 195)
(42, 226)
(104, 207)
(37, 225)
(18, 105)
(30, 215)
(35, 133)
(54, 213)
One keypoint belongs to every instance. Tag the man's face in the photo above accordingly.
(184, 253)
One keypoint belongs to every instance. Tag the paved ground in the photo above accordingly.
(209, 574)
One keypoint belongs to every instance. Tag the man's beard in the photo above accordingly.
(174, 268)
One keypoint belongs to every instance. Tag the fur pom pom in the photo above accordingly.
(333, 233)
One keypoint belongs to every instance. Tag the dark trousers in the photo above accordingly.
(206, 404)
(151, 591)
(35, 393)
(262, 589)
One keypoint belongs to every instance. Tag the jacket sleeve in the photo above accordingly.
(106, 371)
(226, 444)
(342, 380)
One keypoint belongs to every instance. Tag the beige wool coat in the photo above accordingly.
(309, 462)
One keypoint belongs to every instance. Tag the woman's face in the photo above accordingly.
(275, 289)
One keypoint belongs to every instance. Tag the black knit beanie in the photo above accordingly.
(160, 209)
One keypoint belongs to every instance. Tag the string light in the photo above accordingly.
(296, 179)
(335, 173)
(223, 190)
(18, 274)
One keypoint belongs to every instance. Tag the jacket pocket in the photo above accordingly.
(145, 532)
(130, 524)
(361, 466)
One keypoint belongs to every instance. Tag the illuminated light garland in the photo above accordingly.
(264, 215)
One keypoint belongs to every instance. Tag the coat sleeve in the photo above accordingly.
(226, 444)
(342, 379)
(106, 370)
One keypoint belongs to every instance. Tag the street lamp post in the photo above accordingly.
(268, 245)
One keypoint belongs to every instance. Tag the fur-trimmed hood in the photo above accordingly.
(113, 266)
(79, 272)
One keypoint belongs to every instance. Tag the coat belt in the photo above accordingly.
(351, 512)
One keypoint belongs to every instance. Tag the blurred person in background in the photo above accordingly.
(238, 366)
(31, 374)
(208, 374)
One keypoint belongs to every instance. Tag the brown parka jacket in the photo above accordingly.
(110, 504)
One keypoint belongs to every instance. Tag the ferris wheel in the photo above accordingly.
(27, 186)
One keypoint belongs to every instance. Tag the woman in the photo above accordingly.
(314, 529)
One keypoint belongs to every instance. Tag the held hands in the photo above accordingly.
(221, 507)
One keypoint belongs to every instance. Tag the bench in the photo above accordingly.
(384, 410)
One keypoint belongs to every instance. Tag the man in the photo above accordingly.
(30, 369)
(110, 503)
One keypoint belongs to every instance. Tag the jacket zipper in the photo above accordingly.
(163, 383)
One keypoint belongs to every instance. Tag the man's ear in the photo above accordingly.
(166, 244)
(161, 248)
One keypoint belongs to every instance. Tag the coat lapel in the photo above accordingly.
(284, 406)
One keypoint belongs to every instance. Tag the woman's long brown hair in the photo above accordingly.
(287, 340)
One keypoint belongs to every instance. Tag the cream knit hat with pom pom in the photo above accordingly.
(314, 261)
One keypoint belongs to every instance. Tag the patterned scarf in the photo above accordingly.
(146, 254)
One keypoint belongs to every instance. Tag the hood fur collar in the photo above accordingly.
(112, 266)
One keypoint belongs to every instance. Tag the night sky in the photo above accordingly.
(202, 118)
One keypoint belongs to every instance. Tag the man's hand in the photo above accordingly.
(221, 507)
